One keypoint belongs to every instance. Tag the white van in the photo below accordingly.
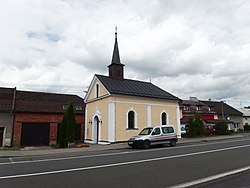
(162, 134)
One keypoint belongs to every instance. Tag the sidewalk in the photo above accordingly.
(29, 151)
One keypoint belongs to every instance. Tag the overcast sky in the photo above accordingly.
(187, 47)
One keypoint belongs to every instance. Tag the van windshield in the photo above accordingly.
(146, 131)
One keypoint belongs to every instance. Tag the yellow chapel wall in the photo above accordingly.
(122, 106)
(93, 108)
(95, 105)
(140, 106)
(102, 90)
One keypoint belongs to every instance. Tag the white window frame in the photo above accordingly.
(135, 119)
(167, 117)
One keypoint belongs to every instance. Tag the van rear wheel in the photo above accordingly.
(146, 144)
(172, 143)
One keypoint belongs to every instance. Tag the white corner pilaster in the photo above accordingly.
(178, 122)
(86, 123)
(149, 115)
(111, 122)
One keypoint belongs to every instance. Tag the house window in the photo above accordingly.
(131, 120)
(198, 108)
(65, 107)
(164, 118)
(186, 107)
(78, 108)
(97, 90)
(211, 109)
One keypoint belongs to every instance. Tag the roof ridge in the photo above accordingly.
(125, 79)
(43, 92)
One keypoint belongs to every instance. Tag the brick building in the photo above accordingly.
(6, 115)
(34, 117)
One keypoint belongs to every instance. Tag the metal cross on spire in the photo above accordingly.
(116, 32)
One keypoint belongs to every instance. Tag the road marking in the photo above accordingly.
(111, 154)
(210, 178)
(118, 164)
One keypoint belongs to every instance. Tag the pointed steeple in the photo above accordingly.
(116, 67)
(116, 55)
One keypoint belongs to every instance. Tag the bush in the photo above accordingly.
(247, 128)
(196, 127)
(221, 128)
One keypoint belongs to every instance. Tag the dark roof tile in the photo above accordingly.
(134, 88)
(227, 109)
(39, 102)
(6, 99)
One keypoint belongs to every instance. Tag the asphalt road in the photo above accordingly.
(156, 167)
(239, 180)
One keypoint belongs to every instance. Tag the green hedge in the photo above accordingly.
(196, 127)
(247, 128)
(221, 128)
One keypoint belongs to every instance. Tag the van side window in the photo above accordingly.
(166, 130)
(156, 131)
(170, 130)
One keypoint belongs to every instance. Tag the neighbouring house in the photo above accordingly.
(212, 112)
(245, 115)
(6, 115)
(37, 116)
(118, 108)
(193, 106)
(227, 113)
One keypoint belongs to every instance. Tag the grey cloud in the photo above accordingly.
(188, 47)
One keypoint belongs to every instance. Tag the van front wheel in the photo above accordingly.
(146, 144)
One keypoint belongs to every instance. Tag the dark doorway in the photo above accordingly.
(1, 136)
(35, 134)
(96, 130)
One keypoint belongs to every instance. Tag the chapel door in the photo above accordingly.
(95, 133)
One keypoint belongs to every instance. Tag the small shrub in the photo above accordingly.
(221, 128)
(54, 146)
(240, 130)
(247, 128)
(196, 127)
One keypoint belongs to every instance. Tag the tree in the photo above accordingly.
(247, 128)
(221, 127)
(196, 126)
(67, 128)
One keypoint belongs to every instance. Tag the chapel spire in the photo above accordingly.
(116, 55)
(116, 67)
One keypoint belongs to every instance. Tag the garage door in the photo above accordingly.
(35, 134)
